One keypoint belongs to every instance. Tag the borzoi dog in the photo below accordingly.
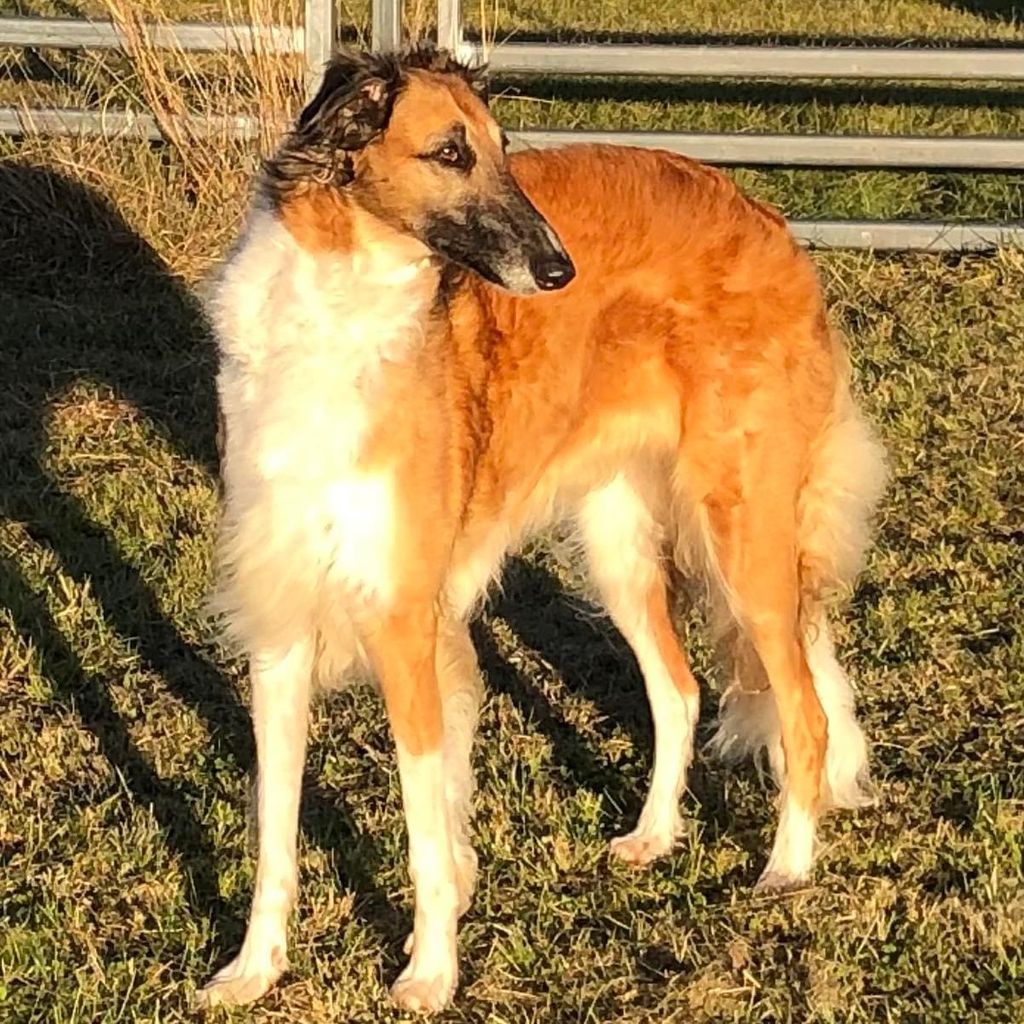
(431, 349)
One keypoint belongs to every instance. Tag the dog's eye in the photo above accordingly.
(452, 154)
(452, 150)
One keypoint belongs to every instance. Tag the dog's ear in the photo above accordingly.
(350, 109)
(347, 115)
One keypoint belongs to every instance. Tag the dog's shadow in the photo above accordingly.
(591, 660)
(594, 661)
(84, 298)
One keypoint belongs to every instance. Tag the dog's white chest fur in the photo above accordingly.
(303, 338)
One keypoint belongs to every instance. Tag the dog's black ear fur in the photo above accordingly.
(354, 101)
(350, 109)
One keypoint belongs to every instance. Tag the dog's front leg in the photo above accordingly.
(402, 650)
(280, 712)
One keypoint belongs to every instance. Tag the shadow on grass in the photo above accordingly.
(994, 10)
(83, 297)
(592, 659)
(595, 661)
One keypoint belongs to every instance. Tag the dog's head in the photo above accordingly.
(410, 139)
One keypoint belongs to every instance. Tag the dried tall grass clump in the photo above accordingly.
(218, 114)
(176, 85)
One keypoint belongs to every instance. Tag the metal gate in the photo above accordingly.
(316, 40)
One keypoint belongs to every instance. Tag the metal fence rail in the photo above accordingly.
(774, 62)
(72, 33)
(920, 235)
(117, 124)
(834, 151)
(874, 151)
(317, 37)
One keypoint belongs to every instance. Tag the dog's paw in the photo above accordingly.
(242, 981)
(640, 848)
(778, 883)
(791, 861)
(423, 994)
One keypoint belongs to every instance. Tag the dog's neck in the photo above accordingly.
(325, 221)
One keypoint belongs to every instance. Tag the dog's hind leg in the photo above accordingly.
(623, 543)
(280, 711)
(751, 531)
(815, 533)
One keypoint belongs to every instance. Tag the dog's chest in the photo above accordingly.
(309, 449)
(303, 396)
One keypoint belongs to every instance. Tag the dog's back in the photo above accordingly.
(689, 299)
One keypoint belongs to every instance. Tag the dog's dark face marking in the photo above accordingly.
(410, 139)
(502, 241)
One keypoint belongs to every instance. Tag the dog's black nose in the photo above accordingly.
(552, 272)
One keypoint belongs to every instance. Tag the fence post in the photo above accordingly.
(449, 26)
(387, 24)
(319, 35)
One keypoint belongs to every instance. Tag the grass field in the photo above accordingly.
(125, 744)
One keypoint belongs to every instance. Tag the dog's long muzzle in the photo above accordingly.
(548, 264)
(505, 240)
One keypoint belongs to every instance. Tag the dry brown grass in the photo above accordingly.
(174, 84)
(186, 194)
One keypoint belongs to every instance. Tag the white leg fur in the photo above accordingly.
(846, 781)
(675, 720)
(749, 724)
(793, 851)
(429, 979)
(459, 675)
(460, 717)
(622, 544)
(280, 711)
